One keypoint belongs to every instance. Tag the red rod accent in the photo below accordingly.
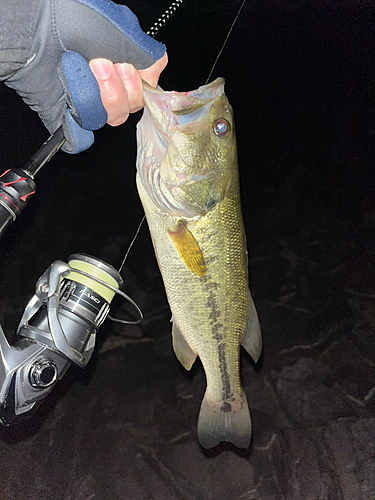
(6, 198)
(14, 182)
(23, 198)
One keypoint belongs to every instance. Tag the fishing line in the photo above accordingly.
(225, 41)
(131, 244)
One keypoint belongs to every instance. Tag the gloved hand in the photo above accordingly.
(57, 81)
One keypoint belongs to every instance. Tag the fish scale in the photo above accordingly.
(202, 258)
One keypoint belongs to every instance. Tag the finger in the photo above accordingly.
(112, 91)
(133, 85)
(151, 74)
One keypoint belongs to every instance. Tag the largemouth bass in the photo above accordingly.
(187, 179)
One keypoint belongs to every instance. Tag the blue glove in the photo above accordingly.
(57, 82)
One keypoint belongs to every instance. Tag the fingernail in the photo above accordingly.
(101, 68)
(125, 71)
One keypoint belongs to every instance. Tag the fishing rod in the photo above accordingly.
(71, 301)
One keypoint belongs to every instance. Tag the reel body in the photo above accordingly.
(57, 328)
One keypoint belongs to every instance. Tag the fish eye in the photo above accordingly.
(221, 127)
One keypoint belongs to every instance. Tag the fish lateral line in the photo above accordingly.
(217, 333)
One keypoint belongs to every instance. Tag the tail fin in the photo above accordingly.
(224, 422)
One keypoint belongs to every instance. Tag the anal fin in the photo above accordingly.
(252, 340)
(183, 351)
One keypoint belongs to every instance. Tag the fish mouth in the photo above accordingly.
(182, 103)
(170, 109)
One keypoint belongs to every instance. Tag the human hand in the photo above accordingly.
(121, 88)
(57, 82)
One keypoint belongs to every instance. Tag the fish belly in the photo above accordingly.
(210, 313)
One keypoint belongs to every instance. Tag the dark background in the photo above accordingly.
(300, 77)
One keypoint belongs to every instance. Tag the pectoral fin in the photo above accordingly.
(188, 249)
(183, 351)
(252, 340)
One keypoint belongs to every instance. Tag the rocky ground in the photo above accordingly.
(125, 428)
